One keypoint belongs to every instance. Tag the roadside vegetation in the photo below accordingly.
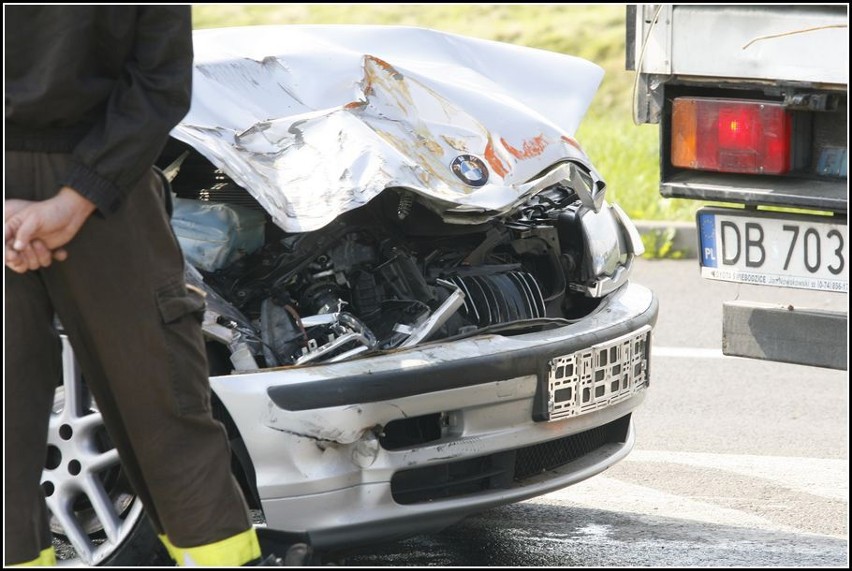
(626, 154)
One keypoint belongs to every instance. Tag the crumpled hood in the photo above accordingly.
(317, 120)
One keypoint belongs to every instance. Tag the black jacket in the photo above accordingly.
(104, 83)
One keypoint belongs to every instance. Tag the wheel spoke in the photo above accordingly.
(85, 424)
(64, 513)
(102, 461)
(72, 381)
(103, 507)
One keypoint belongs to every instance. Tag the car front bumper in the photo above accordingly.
(322, 443)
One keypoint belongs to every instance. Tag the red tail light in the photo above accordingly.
(730, 135)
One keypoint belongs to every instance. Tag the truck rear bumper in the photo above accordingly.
(784, 333)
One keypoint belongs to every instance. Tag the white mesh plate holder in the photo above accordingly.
(598, 377)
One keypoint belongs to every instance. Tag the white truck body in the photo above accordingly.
(752, 103)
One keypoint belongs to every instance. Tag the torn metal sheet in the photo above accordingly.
(317, 120)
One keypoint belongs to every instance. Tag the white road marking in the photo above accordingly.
(826, 478)
(688, 353)
(611, 494)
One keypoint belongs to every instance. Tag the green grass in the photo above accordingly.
(625, 154)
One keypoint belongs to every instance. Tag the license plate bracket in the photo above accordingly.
(599, 376)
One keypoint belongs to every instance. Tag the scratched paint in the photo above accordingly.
(529, 147)
(317, 120)
(571, 141)
(496, 163)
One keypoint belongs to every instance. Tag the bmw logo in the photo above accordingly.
(470, 170)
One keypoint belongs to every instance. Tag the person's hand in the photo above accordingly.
(35, 232)
(54, 221)
(32, 257)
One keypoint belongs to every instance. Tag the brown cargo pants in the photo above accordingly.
(121, 299)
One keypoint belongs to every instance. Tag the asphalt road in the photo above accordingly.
(738, 462)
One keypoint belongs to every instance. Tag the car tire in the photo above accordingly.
(95, 516)
(142, 548)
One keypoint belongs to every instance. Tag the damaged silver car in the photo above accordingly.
(418, 296)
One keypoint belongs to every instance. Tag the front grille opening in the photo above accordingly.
(453, 479)
(534, 460)
(501, 470)
(410, 432)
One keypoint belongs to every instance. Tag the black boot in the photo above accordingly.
(297, 555)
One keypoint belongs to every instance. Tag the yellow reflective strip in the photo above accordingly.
(47, 558)
(164, 539)
(229, 552)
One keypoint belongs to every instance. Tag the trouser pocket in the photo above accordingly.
(182, 311)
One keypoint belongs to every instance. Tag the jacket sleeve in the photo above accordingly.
(150, 98)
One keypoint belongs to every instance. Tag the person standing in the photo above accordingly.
(91, 95)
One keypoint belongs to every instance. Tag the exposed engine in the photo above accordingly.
(392, 274)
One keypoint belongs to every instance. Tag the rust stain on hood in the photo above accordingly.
(529, 147)
(573, 142)
(496, 164)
